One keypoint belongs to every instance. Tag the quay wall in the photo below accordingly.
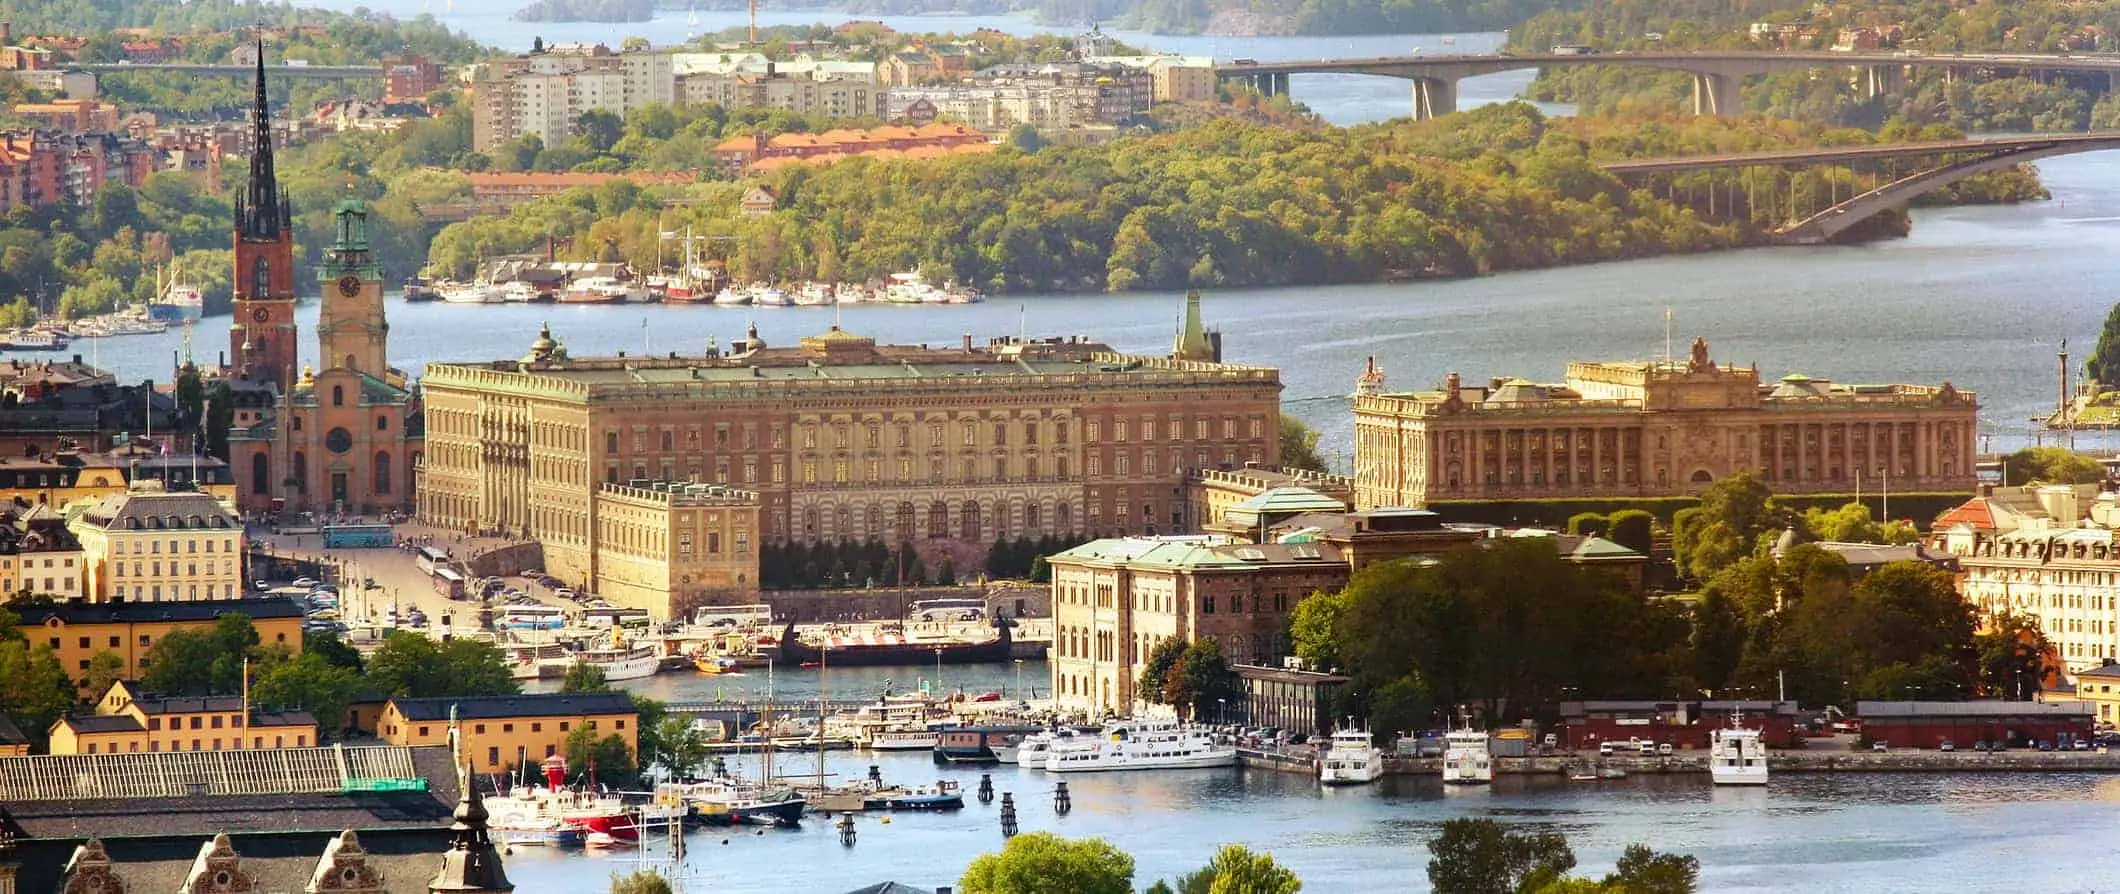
(889, 604)
(1781, 762)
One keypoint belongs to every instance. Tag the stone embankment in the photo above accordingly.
(1302, 761)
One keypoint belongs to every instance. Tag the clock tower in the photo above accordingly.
(261, 340)
(351, 332)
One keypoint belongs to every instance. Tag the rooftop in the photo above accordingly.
(77, 611)
(1871, 710)
(149, 509)
(1198, 553)
(550, 704)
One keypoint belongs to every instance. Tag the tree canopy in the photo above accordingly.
(414, 666)
(1237, 870)
(1044, 863)
(1482, 856)
(2050, 465)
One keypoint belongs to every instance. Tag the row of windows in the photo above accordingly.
(153, 592)
(479, 729)
(154, 547)
(145, 642)
(191, 569)
(301, 740)
(1174, 428)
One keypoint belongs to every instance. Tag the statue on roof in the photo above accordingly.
(1700, 361)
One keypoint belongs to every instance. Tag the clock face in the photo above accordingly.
(349, 285)
(261, 315)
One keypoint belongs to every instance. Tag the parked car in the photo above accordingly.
(1946, 745)
(304, 582)
(1880, 746)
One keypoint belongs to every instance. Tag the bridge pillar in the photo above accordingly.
(1879, 80)
(1277, 84)
(1433, 97)
(1715, 94)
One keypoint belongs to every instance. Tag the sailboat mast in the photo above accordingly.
(823, 692)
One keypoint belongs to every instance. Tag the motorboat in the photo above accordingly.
(518, 292)
(769, 296)
(729, 296)
(1144, 744)
(417, 290)
(1035, 750)
(1736, 755)
(1352, 759)
(472, 293)
(1466, 759)
(715, 664)
(813, 294)
(851, 293)
(600, 290)
(946, 795)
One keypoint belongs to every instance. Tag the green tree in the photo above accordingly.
(220, 417)
(2103, 365)
(1163, 657)
(1588, 523)
(1299, 445)
(34, 689)
(1202, 681)
(643, 881)
(207, 662)
(1026, 137)
(413, 666)
(104, 669)
(584, 677)
(1237, 870)
(1633, 529)
(310, 682)
(1732, 515)
(2013, 654)
(1481, 856)
(1643, 871)
(2050, 465)
(1313, 630)
(609, 757)
(1044, 863)
(332, 649)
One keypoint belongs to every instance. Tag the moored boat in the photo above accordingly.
(1144, 744)
(893, 651)
(1466, 759)
(1352, 759)
(813, 294)
(417, 289)
(472, 293)
(730, 296)
(181, 302)
(1736, 755)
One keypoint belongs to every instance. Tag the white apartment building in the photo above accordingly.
(544, 94)
(2052, 553)
(828, 98)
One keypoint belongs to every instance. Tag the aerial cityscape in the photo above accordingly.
(1037, 447)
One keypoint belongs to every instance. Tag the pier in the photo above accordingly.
(1778, 762)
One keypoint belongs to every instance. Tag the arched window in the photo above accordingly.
(938, 520)
(971, 521)
(300, 472)
(1061, 520)
(904, 522)
(260, 473)
(338, 395)
(261, 278)
(1030, 516)
(809, 521)
(382, 471)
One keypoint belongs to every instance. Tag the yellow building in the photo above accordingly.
(68, 476)
(153, 545)
(506, 731)
(127, 720)
(1656, 429)
(2098, 687)
(666, 547)
(78, 629)
(845, 439)
(39, 555)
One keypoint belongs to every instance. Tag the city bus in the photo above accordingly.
(359, 537)
(960, 609)
(756, 615)
(449, 583)
(430, 558)
(630, 619)
(533, 617)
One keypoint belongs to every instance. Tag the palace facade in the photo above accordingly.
(1656, 429)
(841, 438)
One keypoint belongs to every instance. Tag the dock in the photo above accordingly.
(1816, 761)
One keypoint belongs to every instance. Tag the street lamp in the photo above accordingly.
(1019, 679)
(1221, 711)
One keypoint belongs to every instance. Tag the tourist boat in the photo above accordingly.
(813, 294)
(892, 650)
(417, 289)
(472, 293)
(980, 744)
(946, 795)
(1353, 759)
(600, 290)
(1737, 756)
(181, 302)
(1144, 744)
(33, 340)
(1466, 760)
(904, 739)
(730, 296)
(620, 661)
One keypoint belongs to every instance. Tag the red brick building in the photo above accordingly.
(1964, 724)
(1682, 724)
(409, 77)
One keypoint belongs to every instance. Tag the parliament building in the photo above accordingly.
(1656, 429)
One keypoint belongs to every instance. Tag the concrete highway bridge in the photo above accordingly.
(313, 72)
(1899, 173)
(1716, 74)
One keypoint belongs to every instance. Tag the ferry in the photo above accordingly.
(418, 289)
(1737, 756)
(981, 744)
(620, 661)
(1466, 760)
(1144, 745)
(33, 340)
(905, 738)
(1353, 759)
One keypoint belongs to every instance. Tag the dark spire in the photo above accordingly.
(472, 865)
(259, 212)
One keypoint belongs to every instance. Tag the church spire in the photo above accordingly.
(259, 212)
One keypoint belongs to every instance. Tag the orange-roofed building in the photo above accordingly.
(757, 153)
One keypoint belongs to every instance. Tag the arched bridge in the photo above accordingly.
(1716, 74)
(1905, 171)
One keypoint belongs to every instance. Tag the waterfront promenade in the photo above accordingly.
(1696, 762)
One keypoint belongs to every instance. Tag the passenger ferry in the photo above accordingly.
(1144, 745)
(1737, 756)
(1353, 759)
(620, 661)
(1466, 760)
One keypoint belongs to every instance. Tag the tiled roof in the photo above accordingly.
(553, 704)
(76, 611)
(102, 723)
(151, 510)
(10, 734)
(1870, 710)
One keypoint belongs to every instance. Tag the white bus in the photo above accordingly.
(622, 618)
(758, 615)
(430, 558)
(533, 617)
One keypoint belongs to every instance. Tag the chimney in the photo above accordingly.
(967, 342)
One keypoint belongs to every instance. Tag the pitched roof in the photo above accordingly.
(10, 734)
(137, 510)
(1871, 710)
(76, 611)
(2109, 670)
(891, 888)
(102, 723)
(550, 704)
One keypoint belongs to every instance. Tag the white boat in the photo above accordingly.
(472, 293)
(1036, 750)
(851, 293)
(1737, 756)
(1466, 760)
(622, 661)
(1143, 745)
(729, 296)
(813, 294)
(181, 302)
(961, 294)
(1353, 759)
(905, 739)
(769, 296)
(911, 288)
(518, 291)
